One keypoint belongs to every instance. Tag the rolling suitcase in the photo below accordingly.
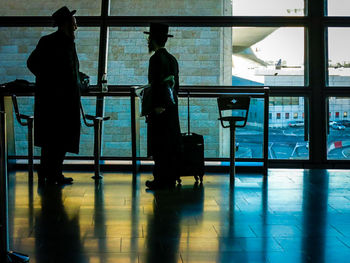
(193, 152)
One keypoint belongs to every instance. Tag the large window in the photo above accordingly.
(227, 43)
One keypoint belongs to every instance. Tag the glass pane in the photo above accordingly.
(47, 8)
(16, 44)
(269, 56)
(268, 7)
(204, 55)
(339, 126)
(207, 8)
(26, 107)
(242, 56)
(171, 8)
(87, 44)
(214, 56)
(338, 7)
(338, 57)
(204, 116)
(287, 128)
(86, 147)
(116, 139)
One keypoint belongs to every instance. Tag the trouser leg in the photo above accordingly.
(51, 161)
(44, 163)
(60, 155)
(164, 167)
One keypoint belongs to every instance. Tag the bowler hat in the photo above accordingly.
(61, 15)
(158, 30)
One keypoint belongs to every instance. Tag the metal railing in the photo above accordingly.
(194, 91)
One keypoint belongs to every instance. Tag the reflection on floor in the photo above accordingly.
(296, 216)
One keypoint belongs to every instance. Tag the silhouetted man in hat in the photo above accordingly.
(163, 129)
(55, 64)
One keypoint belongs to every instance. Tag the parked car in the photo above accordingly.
(296, 124)
(346, 123)
(337, 126)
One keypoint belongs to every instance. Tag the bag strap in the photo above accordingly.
(188, 113)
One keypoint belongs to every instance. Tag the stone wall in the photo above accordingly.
(16, 44)
(170, 8)
(47, 8)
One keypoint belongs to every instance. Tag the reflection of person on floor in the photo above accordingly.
(164, 225)
(57, 235)
(55, 64)
(163, 131)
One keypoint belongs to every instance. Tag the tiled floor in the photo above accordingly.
(296, 216)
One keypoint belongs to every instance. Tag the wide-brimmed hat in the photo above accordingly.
(62, 15)
(158, 30)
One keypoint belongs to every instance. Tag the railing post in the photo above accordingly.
(97, 148)
(266, 132)
(30, 148)
(5, 254)
(4, 239)
(135, 133)
(232, 154)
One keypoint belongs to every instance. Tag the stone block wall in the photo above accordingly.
(117, 131)
(171, 8)
(199, 52)
(47, 8)
(16, 44)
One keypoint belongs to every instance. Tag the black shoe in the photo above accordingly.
(41, 180)
(64, 180)
(41, 177)
(60, 180)
(151, 184)
(157, 185)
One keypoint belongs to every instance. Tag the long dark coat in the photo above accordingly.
(55, 64)
(163, 133)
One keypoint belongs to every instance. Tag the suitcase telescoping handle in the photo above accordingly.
(188, 113)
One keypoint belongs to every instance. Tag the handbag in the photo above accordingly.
(145, 94)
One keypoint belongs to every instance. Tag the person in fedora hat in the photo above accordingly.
(55, 64)
(163, 126)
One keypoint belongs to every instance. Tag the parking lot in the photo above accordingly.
(289, 143)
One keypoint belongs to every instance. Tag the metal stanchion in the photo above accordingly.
(5, 254)
(97, 124)
(27, 121)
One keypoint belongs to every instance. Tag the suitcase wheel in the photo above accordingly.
(196, 178)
